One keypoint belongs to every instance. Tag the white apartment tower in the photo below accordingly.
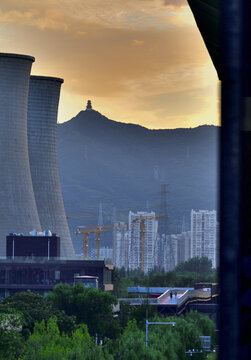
(120, 245)
(204, 234)
(142, 240)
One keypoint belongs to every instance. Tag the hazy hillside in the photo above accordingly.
(121, 165)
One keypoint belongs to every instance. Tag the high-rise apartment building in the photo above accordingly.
(105, 253)
(142, 240)
(180, 250)
(184, 246)
(204, 234)
(120, 245)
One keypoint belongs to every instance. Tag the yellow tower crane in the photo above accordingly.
(142, 229)
(86, 230)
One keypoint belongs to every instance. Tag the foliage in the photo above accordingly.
(131, 346)
(186, 274)
(34, 308)
(164, 341)
(200, 265)
(121, 282)
(46, 343)
(90, 306)
(213, 356)
(11, 344)
(91, 313)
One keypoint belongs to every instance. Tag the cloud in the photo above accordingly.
(48, 19)
(137, 42)
(121, 52)
(175, 2)
(134, 14)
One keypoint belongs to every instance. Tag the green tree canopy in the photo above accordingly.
(46, 343)
(90, 306)
(11, 342)
(34, 308)
(201, 265)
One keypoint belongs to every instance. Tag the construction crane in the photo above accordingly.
(86, 230)
(92, 229)
(142, 219)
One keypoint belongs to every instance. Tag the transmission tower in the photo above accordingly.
(163, 209)
(114, 215)
(100, 215)
(183, 226)
(164, 225)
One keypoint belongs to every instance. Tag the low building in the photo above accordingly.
(40, 275)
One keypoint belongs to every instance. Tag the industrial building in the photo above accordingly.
(30, 196)
(46, 245)
(42, 145)
(41, 276)
(18, 210)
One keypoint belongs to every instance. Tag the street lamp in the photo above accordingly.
(156, 323)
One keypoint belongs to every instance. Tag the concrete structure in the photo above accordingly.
(29, 247)
(41, 276)
(42, 143)
(184, 246)
(120, 245)
(203, 234)
(150, 239)
(105, 253)
(18, 212)
(89, 105)
(180, 249)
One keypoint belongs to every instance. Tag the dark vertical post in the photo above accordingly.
(231, 31)
(245, 273)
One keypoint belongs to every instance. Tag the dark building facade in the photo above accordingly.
(41, 275)
(32, 246)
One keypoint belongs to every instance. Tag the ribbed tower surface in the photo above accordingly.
(18, 211)
(42, 142)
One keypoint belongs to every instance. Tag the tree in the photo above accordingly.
(201, 265)
(90, 306)
(11, 342)
(131, 346)
(46, 343)
(34, 308)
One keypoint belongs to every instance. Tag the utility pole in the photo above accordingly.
(164, 224)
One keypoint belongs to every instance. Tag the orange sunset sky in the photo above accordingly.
(139, 61)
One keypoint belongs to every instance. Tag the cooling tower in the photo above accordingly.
(42, 142)
(18, 212)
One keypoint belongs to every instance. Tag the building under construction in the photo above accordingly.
(143, 229)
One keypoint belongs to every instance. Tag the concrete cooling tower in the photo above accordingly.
(42, 142)
(18, 212)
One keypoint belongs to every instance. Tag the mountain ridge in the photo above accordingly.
(122, 165)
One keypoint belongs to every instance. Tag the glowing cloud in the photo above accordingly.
(131, 57)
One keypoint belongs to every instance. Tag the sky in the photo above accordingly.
(138, 61)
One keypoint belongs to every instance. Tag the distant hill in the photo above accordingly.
(121, 165)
